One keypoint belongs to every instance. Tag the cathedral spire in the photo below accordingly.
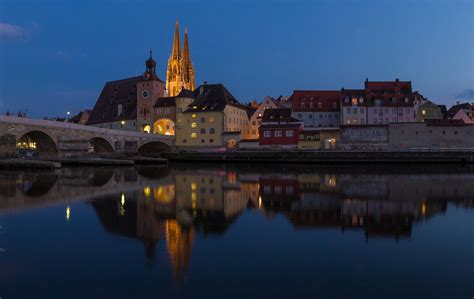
(176, 52)
(186, 55)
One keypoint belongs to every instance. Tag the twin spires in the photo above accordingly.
(180, 72)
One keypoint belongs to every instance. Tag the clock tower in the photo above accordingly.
(149, 90)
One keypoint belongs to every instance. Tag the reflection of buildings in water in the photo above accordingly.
(136, 216)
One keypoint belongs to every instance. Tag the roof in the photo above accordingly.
(122, 92)
(390, 87)
(212, 97)
(445, 122)
(186, 93)
(165, 102)
(316, 100)
(280, 115)
(455, 108)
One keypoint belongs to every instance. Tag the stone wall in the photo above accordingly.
(423, 136)
(7, 146)
(364, 138)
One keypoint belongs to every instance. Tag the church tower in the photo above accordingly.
(180, 72)
(187, 65)
(149, 89)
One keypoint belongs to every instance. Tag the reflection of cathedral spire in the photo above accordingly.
(179, 243)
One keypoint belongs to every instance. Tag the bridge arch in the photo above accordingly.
(153, 148)
(37, 185)
(101, 145)
(38, 141)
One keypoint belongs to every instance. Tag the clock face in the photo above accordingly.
(145, 93)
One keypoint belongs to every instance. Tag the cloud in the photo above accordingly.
(12, 32)
(467, 94)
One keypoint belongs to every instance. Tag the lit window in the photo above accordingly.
(289, 133)
(267, 134)
(193, 125)
(194, 135)
(193, 116)
(423, 112)
(211, 119)
(147, 129)
(278, 133)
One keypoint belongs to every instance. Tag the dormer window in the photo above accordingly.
(394, 100)
(311, 105)
(407, 100)
(361, 100)
(320, 105)
(346, 99)
(334, 105)
(302, 105)
(354, 101)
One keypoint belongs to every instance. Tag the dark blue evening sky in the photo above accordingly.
(55, 56)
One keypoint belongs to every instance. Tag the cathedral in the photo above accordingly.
(180, 73)
(145, 103)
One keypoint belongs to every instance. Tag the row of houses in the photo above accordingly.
(211, 118)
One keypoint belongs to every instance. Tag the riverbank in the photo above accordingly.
(28, 164)
(325, 157)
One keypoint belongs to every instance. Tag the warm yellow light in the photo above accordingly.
(193, 125)
(122, 199)
(68, 213)
(147, 191)
(423, 209)
(193, 186)
(193, 116)
(122, 122)
(259, 202)
(193, 135)
(147, 129)
(423, 112)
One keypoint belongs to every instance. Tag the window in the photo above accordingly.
(354, 101)
(202, 141)
(334, 105)
(278, 133)
(310, 116)
(361, 100)
(211, 140)
(289, 133)
(354, 110)
(361, 110)
(254, 123)
(348, 110)
(193, 125)
(320, 105)
(346, 99)
(211, 119)
(184, 141)
(203, 131)
(302, 105)
(300, 115)
(267, 134)
(212, 131)
(193, 135)
(203, 120)
(193, 116)
(423, 112)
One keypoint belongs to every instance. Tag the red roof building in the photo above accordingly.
(279, 129)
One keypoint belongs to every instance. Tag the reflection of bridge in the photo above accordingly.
(32, 189)
(51, 138)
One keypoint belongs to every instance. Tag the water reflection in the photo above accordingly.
(175, 205)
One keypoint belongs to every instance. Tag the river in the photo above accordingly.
(238, 231)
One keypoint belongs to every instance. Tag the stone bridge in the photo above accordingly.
(52, 139)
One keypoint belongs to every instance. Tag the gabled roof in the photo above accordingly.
(388, 86)
(280, 115)
(323, 100)
(212, 97)
(122, 92)
(464, 106)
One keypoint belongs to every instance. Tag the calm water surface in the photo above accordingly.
(242, 231)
